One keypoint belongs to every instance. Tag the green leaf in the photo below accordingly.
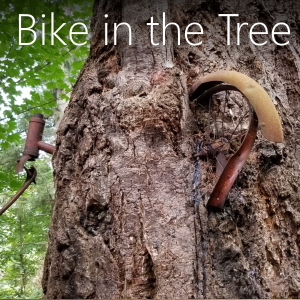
(13, 137)
(72, 80)
(3, 176)
(77, 66)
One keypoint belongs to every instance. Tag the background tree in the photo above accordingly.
(125, 222)
(30, 79)
(24, 232)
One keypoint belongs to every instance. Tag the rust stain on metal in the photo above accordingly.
(263, 111)
(34, 135)
(31, 175)
(46, 147)
(233, 167)
(34, 142)
(21, 163)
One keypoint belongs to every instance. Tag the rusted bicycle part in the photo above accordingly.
(31, 175)
(233, 166)
(34, 142)
(268, 117)
(203, 90)
(237, 160)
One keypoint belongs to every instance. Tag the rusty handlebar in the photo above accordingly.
(202, 90)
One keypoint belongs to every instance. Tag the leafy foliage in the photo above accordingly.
(40, 67)
(23, 229)
(43, 70)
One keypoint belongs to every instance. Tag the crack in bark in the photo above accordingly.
(148, 264)
(199, 245)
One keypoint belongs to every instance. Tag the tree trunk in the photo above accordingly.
(129, 218)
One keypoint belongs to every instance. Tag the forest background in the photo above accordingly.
(33, 78)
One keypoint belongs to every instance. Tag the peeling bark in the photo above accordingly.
(129, 218)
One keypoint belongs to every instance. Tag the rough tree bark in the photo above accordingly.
(125, 221)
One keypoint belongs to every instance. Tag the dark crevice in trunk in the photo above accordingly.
(199, 238)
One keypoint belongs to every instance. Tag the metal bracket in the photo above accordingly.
(34, 142)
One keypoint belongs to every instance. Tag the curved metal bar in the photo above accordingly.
(233, 166)
(237, 160)
(21, 162)
(268, 117)
(31, 175)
